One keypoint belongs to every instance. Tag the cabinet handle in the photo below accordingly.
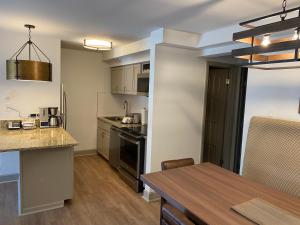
(133, 82)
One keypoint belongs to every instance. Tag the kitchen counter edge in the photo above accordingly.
(26, 136)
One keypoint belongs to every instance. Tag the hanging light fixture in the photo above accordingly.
(31, 70)
(266, 40)
(296, 34)
(98, 45)
(284, 45)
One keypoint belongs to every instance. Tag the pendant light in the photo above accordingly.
(17, 69)
(284, 45)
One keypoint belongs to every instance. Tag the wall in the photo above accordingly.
(112, 105)
(86, 80)
(109, 104)
(176, 105)
(271, 93)
(25, 96)
(84, 75)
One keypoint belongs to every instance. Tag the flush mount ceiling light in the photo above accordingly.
(31, 70)
(275, 42)
(98, 45)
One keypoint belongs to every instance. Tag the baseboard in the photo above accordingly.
(150, 196)
(85, 152)
(41, 208)
(9, 178)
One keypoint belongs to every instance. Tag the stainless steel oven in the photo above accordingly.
(132, 160)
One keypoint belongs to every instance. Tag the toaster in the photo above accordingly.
(13, 125)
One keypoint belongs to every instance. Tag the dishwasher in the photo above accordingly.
(114, 148)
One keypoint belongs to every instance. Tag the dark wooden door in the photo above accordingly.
(216, 103)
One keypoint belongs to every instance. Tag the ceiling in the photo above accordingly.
(123, 21)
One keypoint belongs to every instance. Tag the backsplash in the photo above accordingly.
(112, 105)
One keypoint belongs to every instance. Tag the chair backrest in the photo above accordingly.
(172, 164)
(272, 154)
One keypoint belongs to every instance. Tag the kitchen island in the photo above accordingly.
(46, 167)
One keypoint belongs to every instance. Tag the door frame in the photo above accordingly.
(239, 71)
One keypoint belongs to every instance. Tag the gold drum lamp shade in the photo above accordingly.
(29, 70)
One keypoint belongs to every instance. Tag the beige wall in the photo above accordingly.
(84, 76)
(176, 106)
(86, 80)
(27, 96)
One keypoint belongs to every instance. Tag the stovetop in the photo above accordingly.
(136, 131)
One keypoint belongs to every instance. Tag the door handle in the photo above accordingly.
(129, 140)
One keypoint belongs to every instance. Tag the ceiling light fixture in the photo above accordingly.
(98, 45)
(31, 70)
(284, 44)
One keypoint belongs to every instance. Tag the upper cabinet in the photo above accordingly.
(129, 80)
(125, 79)
(117, 80)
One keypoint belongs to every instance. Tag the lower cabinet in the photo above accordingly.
(103, 138)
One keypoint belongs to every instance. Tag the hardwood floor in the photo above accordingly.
(100, 198)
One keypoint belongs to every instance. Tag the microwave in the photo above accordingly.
(143, 80)
(143, 84)
(146, 67)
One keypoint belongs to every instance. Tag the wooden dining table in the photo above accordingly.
(207, 193)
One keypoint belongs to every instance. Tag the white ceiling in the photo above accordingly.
(123, 21)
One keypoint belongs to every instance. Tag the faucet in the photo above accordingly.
(125, 106)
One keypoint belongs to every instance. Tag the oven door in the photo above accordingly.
(130, 155)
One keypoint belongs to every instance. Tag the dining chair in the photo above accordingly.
(169, 215)
(172, 216)
(272, 155)
(172, 164)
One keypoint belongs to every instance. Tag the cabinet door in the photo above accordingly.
(129, 77)
(137, 69)
(117, 80)
(106, 137)
(100, 138)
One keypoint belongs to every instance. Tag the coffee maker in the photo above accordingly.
(49, 117)
(54, 118)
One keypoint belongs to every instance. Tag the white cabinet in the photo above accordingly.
(124, 79)
(129, 79)
(117, 80)
(103, 138)
(105, 147)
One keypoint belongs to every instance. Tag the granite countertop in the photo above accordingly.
(118, 124)
(21, 140)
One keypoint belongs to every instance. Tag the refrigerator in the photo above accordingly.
(63, 107)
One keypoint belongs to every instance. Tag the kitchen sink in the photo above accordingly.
(114, 118)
